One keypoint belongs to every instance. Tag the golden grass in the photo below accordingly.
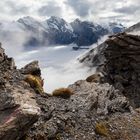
(62, 92)
(35, 82)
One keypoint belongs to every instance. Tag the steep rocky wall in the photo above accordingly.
(118, 58)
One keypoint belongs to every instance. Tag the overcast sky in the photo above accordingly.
(125, 11)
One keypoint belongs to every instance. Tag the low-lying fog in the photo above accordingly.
(59, 64)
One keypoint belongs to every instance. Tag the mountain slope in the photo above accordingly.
(87, 33)
(56, 31)
(18, 107)
(134, 28)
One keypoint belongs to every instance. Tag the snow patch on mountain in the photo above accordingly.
(56, 31)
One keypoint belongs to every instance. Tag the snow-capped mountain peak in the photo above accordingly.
(59, 24)
(29, 21)
(56, 31)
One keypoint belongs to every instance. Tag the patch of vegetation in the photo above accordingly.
(35, 82)
(101, 129)
(62, 92)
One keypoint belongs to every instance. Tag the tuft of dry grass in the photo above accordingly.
(62, 92)
(101, 129)
(35, 82)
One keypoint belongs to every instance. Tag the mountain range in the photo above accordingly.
(103, 106)
(56, 31)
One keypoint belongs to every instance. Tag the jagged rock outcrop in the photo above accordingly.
(100, 108)
(107, 109)
(31, 68)
(54, 31)
(18, 108)
(118, 58)
(93, 108)
(134, 28)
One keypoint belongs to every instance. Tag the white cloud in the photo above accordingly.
(120, 10)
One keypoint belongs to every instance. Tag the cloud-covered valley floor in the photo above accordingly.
(59, 64)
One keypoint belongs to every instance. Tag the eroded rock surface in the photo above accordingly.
(101, 110)
(18, 108)
(77, 117)
(118, 58)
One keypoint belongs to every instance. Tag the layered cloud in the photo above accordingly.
(50, 9)
(127, 11)
(80, 7)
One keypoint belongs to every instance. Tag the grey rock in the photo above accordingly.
(31, 68)
(75, 118)
(118, 59)
(18, 108)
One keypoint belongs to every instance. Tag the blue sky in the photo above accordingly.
(125, 11)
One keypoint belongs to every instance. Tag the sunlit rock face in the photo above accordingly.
(18, 108)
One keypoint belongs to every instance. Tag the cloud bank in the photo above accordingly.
(126, 11)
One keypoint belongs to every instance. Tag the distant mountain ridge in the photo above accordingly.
(134, 28)
(56, 31)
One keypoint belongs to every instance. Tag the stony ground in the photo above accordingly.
(105, 106)
(102, 108)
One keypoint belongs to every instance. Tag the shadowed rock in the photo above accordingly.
(118, 58)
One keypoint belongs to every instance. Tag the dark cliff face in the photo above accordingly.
(118, 59)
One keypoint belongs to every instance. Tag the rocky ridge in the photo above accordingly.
(56, 31)
(118, 59)
(18, 107)
(103, 108)
(106, 109)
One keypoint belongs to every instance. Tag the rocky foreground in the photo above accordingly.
(18, 107)
(105, 106)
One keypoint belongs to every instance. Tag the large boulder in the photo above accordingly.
(18, 108)
(31, 68)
